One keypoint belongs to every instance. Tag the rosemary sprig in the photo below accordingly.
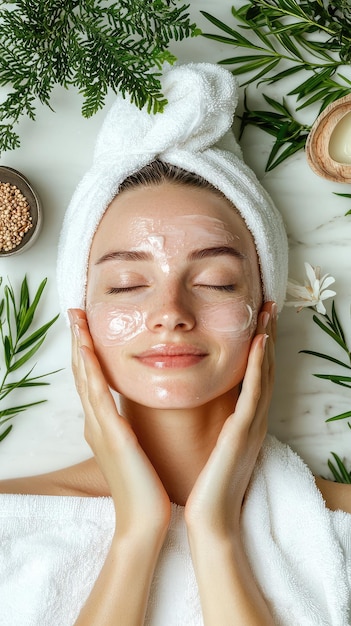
(20, 343)
(93, 45)
(332, 327)
(289, 133)
(286, 39)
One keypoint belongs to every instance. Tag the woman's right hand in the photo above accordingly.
(140, 500)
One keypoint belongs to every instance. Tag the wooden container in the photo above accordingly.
(328, 146)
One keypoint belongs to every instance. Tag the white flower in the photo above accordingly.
(313, 292)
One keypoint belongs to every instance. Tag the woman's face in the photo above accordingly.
(173, 295)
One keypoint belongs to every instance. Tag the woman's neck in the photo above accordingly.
(179, 442)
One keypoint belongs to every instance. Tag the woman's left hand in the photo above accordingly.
(215, 503)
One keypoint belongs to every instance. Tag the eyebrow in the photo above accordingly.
(196, 255)
(216, 251)
(125, 255)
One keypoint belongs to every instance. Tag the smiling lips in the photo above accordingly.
(171, 356)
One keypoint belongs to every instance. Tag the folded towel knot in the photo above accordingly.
(199, 111)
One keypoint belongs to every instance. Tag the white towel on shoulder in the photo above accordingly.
(52, 549)
(291, 541)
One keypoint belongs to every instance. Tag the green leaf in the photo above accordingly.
(312, 83)
(309, 37)
(15, 321)
(93, 45)
(7, 352)
(25, 358)
(285, 154)
(280, 107)
(29, 311)
(24, 304)
(341, 416)
(340, 472)
(237, 38)
(329, 332)
(335, 378)
(36, 335)
(337, 324)
(5, 432)
(285, 74)
(327, 357)
(12, 411)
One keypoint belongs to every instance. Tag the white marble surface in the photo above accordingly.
(55, 151)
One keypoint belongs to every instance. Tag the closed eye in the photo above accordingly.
(228, 288)
(115, 290)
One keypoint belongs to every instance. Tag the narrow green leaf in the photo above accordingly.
(341, 416)
(287, 42)
(281, 107)
(312, 83)
(334, 378)
(325, 356)
(15, 366)
(341, 474)
(24, 304)
(5, 432)
(285, 154)
(28, 318)
(7, 351)
(285, 74)
(11, 411)
(337, 324)
(36, 335)
(330, 332)
(8, 308)
(238, 39)
(220, 39)
(269, 68)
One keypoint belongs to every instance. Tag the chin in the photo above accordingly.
(163, 398)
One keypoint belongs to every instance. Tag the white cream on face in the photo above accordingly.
(113, 326)
(117, 321)
(230, 318)
(167, 239)
(175, 265)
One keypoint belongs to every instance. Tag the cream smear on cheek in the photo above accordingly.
(115, 326)
(236, 318)
(232, 319)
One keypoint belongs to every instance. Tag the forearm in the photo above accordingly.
(120, 594)
(228, 591)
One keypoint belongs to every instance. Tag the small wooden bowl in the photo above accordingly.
(318, 142)
(9, 175)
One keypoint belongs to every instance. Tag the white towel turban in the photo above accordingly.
(194, 133)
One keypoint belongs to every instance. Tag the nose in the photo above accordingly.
(173, 311)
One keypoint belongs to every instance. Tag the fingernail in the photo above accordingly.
(265, 337)
(274, 310)
(76, 330)
(265, 319)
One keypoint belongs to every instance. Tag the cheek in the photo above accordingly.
(111, 326)
(234, 321)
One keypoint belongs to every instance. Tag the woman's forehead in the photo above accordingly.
(172, 215)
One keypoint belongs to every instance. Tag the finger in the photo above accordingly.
(267, 324)
(251, 387)
(80, 336)
(102, 416)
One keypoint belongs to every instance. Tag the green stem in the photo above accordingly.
(300, 15)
